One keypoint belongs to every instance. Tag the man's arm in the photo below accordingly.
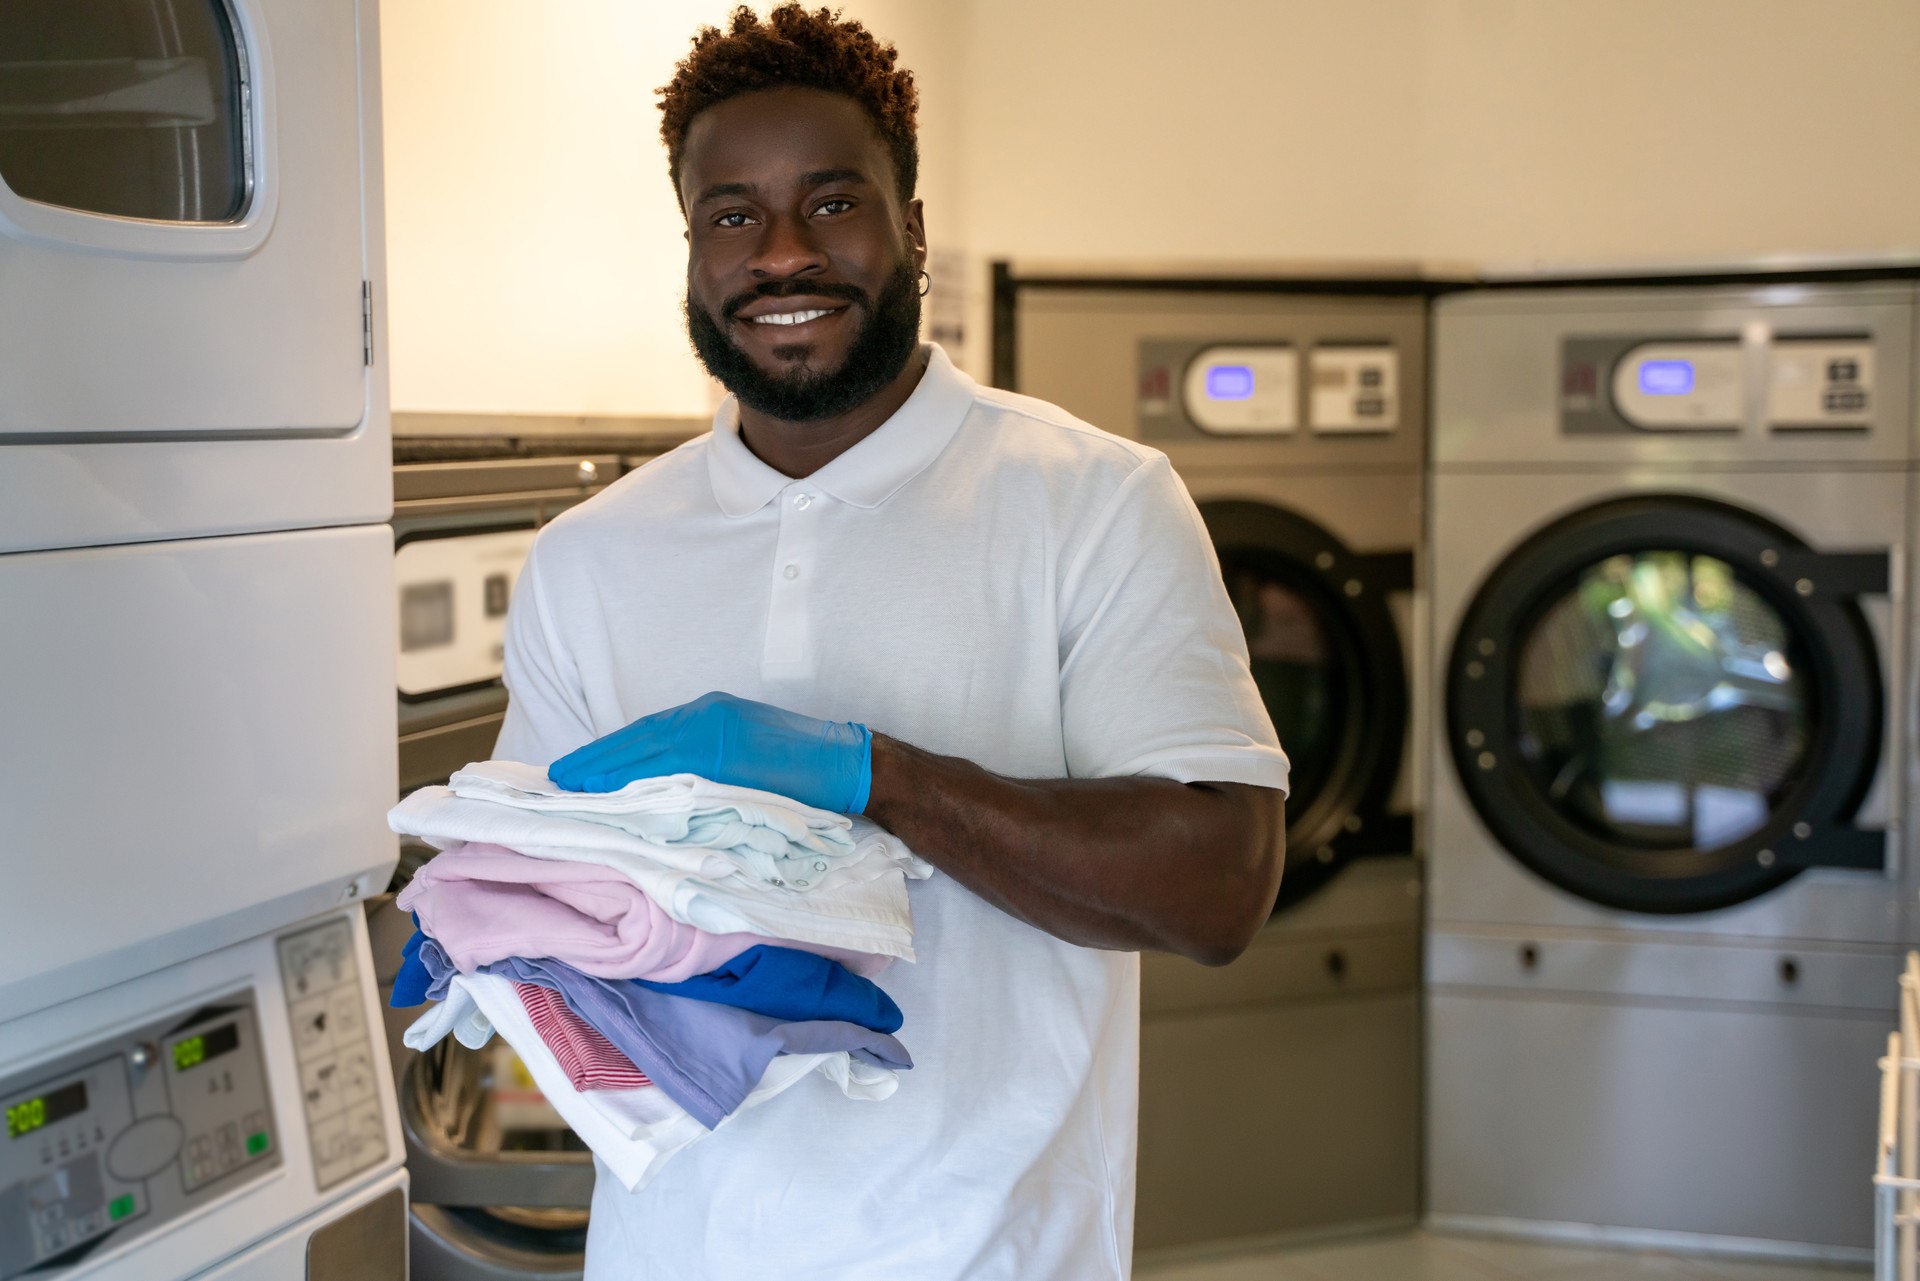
(1122, 863)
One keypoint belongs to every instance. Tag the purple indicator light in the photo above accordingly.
(1229, 382)
(1666, 377)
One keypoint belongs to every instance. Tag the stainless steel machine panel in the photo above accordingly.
(1569, 378)
(1237, 1138)
(1323, 370)
(1687, 1117)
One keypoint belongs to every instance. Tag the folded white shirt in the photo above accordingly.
(634, 1133)
(860, 905)
(647, 1113)
(770, 837)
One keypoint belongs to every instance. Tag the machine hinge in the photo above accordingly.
(366, 322)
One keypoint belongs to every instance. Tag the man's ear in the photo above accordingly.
(916, 229)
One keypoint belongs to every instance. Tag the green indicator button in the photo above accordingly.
(120, 1207)
(257, 1143)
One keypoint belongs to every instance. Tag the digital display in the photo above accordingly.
(1229, 382)
(1666, 377)
(28, 1115)
(192, 1051)
(426, 615)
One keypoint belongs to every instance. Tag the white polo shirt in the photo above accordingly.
(986, 577)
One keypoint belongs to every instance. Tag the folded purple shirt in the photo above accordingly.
(707, 1057)
(485, 903)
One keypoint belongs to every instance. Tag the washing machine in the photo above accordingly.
(1280, 1094)
(1665, 907)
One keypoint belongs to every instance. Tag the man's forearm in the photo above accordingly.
(1123, 863)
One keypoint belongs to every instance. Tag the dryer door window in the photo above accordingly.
(1327, 659)
(132, 108)
(1303, 673)
(1663, 704)
(1670, 705)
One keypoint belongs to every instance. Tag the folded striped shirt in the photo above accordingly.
(589, 1059)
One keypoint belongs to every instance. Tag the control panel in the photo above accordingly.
(339, 1088)
(1335, 388)
(131, 1132)
(453, 598)
(1816, 383)
(1354, 389)
(1775, 382)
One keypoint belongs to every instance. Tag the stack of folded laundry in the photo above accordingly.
(660, 957)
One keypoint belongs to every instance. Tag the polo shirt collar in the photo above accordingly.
(866, 475)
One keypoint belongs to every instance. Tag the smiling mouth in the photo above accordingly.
(800, 317)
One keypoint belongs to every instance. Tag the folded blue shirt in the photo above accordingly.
(410, 985)
(786, 983)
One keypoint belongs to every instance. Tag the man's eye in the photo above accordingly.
(731, 220)
(834, 206)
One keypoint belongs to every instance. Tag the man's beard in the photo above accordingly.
(887, 339)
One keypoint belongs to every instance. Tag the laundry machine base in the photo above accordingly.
(1280, 1095)
(1731, 1127)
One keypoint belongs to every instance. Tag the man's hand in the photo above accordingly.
(826, 764)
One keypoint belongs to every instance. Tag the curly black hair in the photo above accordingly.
(795, 47)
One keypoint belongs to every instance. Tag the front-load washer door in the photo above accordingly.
(1669, 704)
(1327, 659)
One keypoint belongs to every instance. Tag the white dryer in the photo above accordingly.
(1665, 893)
(195, 647)
(1280, 1095)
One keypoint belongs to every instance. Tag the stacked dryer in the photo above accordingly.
(196, 742)
(1666, 892)
(1280, 1095)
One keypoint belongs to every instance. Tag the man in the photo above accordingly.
(996, 631)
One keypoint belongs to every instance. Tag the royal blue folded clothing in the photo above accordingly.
(707, 1057)
(411, 983)
(788, 984)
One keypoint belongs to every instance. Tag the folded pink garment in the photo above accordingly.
(484, 903)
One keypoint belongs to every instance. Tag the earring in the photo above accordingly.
(926, 284)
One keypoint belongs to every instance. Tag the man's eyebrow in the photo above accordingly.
(820, 177)
(812, 178)
(720, 189)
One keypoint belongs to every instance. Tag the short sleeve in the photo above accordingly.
(1154, 677)
(546, 706)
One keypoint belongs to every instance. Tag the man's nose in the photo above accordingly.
(787, 250)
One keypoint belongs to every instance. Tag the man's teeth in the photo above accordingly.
(790, 317)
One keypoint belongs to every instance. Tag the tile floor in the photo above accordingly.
(1424, 1256)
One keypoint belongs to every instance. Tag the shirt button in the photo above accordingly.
(803, 501)
(791, 571)
(819, 867)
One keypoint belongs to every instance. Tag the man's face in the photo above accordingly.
(802, 265)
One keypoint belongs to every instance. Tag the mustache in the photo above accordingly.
(793, 288)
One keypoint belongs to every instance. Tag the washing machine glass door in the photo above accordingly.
(1670, 705)
(1327, 658)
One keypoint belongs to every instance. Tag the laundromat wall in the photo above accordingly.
(535, 252)
(1381, 155)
